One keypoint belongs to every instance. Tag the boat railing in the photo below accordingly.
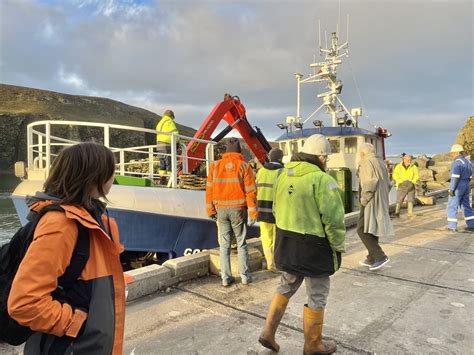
(43, 146)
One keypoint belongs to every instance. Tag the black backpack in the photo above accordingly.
(11, 255)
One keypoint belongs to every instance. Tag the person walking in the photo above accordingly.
(165, 127)
(266, 178)
(374, 220)
(89, 317)
(459, 190)
(230, 197)
(310, 236)
(406, 176)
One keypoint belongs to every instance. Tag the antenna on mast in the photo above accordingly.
(319, 32)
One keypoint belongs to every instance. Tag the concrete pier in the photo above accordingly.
(422, 302)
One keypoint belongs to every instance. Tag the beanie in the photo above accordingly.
(233, 146)
(275, 155)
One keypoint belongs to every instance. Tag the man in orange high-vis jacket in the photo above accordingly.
(231, 195)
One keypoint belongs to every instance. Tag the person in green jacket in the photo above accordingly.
(163, 140)
(406, 176)
(310, 236)
(266, 178)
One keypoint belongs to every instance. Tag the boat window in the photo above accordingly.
(350, 145)
(372, 141)
(294, 147)
(335, 145)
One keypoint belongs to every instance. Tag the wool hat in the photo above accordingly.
(169, 113)
(275, 155)
(316, 144)
(233, 146)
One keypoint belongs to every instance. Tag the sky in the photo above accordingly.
(410, 63)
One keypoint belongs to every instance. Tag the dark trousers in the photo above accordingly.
(370, 241)
(165, 160)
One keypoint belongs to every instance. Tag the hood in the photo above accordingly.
(273, 165)
(300, 168)
(309, 158)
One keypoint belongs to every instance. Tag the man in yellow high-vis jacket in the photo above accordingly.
(406, 176)
(266, 177)
(165, 128)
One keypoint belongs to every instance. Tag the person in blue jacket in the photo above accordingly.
(459, 190)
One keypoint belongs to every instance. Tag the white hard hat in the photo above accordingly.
(456, 148)
(317, 144)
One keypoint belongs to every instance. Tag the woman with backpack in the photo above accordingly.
(87, 316)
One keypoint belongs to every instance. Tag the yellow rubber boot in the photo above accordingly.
(275, 313)
(313, 320)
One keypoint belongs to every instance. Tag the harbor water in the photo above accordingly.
(9, 221)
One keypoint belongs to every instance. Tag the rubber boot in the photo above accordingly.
(275, 313)
(410, 209)
(313, 320)
(397, 210)
(269, 259)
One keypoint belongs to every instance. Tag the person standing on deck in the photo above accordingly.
(459, 190)
(406, 176)
(310, 236)
(374, 219)
(266, 177)
(230, 194)
(163, 140)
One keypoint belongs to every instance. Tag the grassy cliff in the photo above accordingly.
(20, 106)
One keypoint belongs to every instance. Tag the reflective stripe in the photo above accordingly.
(461, 161)
(452, 219)
(261, 209)
(333, 186)
(290, 172)
(455, 176)
(226, 180)
(469, 218)
(265, 185)
(250, 188)
(230, 202)
(208, 183)
(252, 209)
(210, 206)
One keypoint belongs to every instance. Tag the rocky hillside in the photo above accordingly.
(466, 137)
(19, 106)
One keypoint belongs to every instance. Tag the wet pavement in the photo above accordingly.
(421, 302)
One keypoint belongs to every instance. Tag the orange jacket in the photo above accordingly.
(231, 183)
(30, 302)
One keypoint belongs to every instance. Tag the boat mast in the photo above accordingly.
(327, 73)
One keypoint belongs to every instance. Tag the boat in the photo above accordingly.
(344, 132)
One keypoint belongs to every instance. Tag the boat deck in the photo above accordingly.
(421, 302)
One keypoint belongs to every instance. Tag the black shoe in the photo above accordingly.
(468, 230)
(228, 283)
(378, 264)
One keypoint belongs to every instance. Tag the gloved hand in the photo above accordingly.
(252, 221)
(451, 193)
(213, 217)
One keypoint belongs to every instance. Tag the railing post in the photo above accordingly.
(107, 136)
(29, 142)
(150, 163)
(48, 147)
(174, 170)
(184, 154)
(209, 157)
(40, 151)
(122, 162)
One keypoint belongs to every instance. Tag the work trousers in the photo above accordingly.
(267, 236)
(406, 189)
(233, 222)
(317, 288)
(370, 241)
(460, 199)
(165, 160)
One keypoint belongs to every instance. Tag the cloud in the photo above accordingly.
(410, 59)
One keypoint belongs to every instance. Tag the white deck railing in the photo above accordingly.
(40, 141)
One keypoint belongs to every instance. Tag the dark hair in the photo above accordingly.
(78, 171)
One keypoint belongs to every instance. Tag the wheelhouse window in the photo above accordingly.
(335, 145)
(350, 145)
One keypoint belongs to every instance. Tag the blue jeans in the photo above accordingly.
(460, 199)
(230, 222)
(165, 160)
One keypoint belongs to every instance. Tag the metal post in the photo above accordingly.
(48, 147)
(174, 169)
(40, 151)
(29, 139)
(122, 162)
(150, 163)
(298, 84)
(209, 157)
(107, 136)
(184, 159)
